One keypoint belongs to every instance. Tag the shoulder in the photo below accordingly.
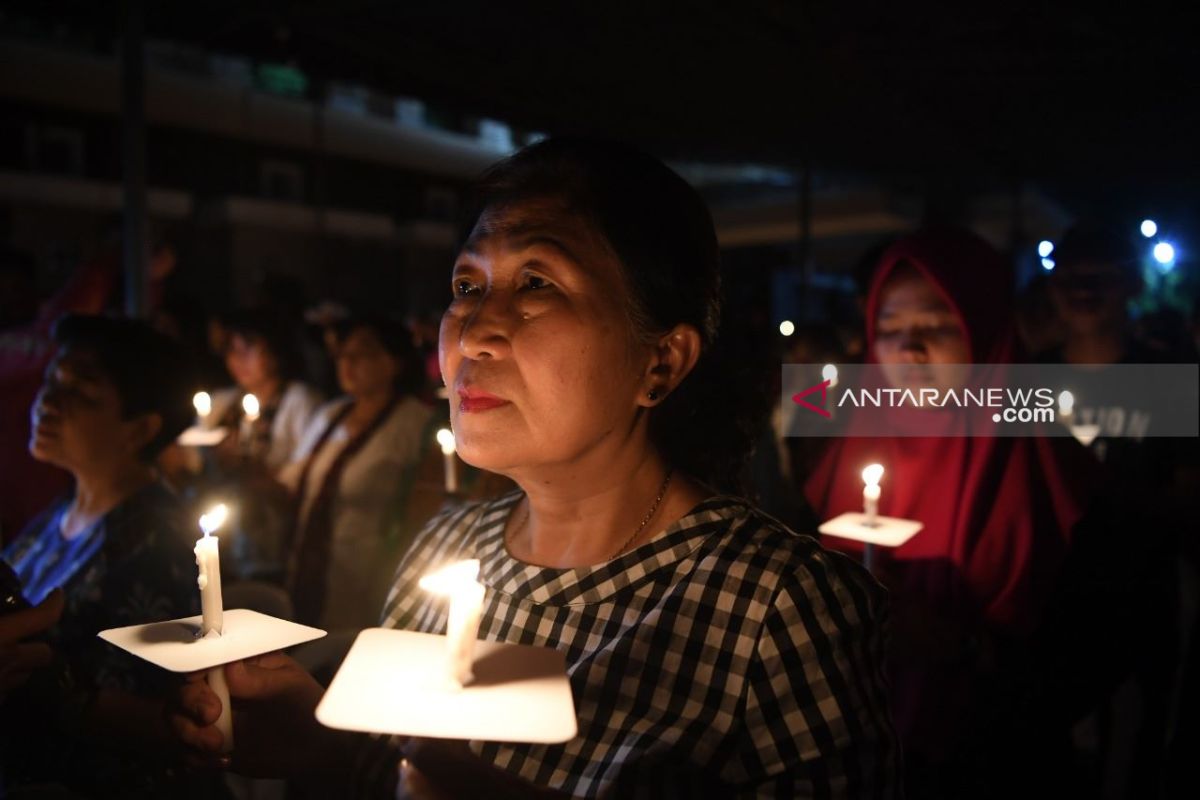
(789, 566)
(329, 409)
(300, 395)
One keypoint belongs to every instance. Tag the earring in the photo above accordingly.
(652, 394)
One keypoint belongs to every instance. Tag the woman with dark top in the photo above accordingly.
(115, 395)
(711, 651)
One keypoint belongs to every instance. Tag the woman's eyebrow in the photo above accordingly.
(519, 237)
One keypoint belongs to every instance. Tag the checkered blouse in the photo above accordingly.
(727, 657)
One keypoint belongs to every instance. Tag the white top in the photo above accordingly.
(359, 564)
(296, 409)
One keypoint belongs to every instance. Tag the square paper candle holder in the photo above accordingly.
(873, 531)
(176, 645)
(199, 436)
(396, 682)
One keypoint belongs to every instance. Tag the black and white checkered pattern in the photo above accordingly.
(727, 657)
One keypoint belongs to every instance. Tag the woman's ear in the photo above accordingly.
(674, 355)
(141, 430)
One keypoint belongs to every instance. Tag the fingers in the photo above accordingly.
(197, 701)
(205, 739)
(190, 717)
(263, 676)
(22, 624)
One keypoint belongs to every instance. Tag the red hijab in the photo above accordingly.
(997, 511)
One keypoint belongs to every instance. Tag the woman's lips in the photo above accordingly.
(470, 402)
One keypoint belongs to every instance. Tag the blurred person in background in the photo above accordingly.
(120, 549)
(351, 475)
(969, 591)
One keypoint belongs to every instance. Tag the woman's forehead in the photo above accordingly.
(521, 224)
(81, 364)
(907, 289)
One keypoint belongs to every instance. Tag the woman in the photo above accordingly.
(350, 476)
(119, 547)
(262, 361)
(711, 651)
(969, 590)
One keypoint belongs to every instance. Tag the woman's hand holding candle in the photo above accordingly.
(278, 734)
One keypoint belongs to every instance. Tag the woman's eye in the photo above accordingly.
(464, 288)
(536, 282)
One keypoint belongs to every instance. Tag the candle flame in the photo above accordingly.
(873, 474)
(214, 518)
(450, 579)
(830, 373)
(203, 403)
(250, 406)
(445, 438)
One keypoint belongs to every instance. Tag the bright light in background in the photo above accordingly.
(1045, 248)
(1066, 401)
(829, 373)
(787, 327)
(1149, 228)
(1047, 264)
(1164, 253)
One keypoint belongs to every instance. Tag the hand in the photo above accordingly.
(18, 660)
(275, 732)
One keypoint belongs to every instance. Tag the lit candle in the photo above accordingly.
(203, 403)
(208, 559)
(445, 438)
(459, 582)
(830, 373)
(250, 409)
(871, 477)
(1066, 403)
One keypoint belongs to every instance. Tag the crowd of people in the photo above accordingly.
(629, 504)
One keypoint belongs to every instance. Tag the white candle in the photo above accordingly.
(458, 582)
(250, 409)
(1066, 403)
(445, 438)
(203, 403)
(208, 559)
(216, 682)
(871, 476)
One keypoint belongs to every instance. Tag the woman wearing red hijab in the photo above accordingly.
(968, 590)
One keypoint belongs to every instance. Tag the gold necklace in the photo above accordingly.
(662, 492)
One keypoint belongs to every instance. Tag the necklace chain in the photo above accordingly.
(662, 492)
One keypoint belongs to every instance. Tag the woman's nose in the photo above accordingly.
(912, 346)
(485, 332)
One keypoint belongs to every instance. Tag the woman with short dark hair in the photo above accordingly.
(711, 651)
(119, 546)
